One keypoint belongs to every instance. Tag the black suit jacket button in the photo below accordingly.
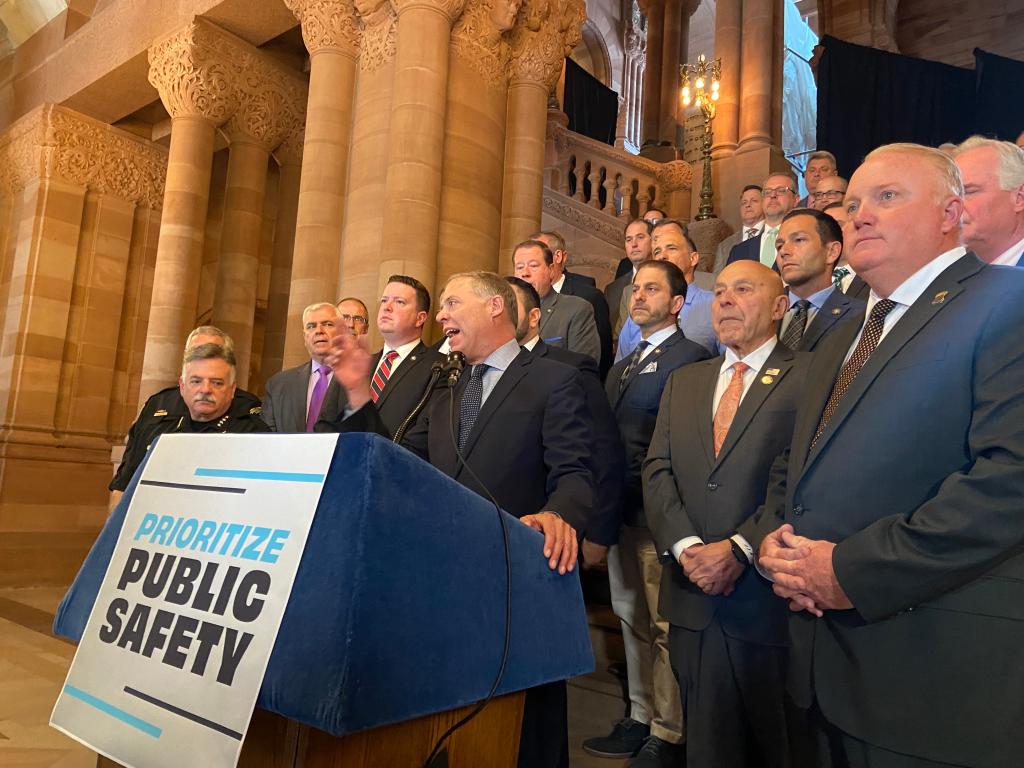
(712, 486)
(798, 510)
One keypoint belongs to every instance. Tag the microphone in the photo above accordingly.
(456, 362)
(435, 373)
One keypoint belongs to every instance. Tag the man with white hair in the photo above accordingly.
(295, 399)
(897, 509)
(993, 221)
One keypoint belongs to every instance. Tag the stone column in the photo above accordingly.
(474, 146)
(289, 159)
(412, 197)
(544, 34)
(195, 88)
(234, 302)
(756, 73)
(651, 125)
(364, 213)
(727, 48)
(330, 30)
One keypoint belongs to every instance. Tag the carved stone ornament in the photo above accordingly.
(478, 40)
(55, 142)
(675, 175)
(545, 33)
(289, 152)
(380, 26)
(327, 25)
(191, 75)
(451, 9)
(583, 217)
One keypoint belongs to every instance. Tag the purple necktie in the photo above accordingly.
(316, 400)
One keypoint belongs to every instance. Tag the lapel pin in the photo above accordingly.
(837, 311)
(772, 371)
(940, 297)
(657, 351)
(161, 412)
(767, 379)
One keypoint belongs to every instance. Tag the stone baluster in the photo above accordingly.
(330, 30)
(626, 190)
(609, 193)
(595, 186)
(195, 87)
(580, 173)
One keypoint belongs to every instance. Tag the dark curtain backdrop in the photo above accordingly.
(591, 105)
(1000, 96)
(868, 97)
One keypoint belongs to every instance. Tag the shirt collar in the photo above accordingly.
(910, 290)
(557, 285)
(817, 299)
(403, 351)
(758, 227)
(850, 271)
(1011, 257)
(531, 344)
(658, 337)
(502, 357)
(755, 359)
(314, 367)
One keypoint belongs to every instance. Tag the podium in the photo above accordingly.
(396, 618)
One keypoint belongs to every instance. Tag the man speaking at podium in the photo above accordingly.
(521, 427)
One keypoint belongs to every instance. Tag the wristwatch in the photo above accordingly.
(738, 553)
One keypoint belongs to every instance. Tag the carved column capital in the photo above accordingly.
(545, 33)
(328, 25)
(450, 9)
(270, 103)
(478, 37)
(379, 24)
(289, 151)
(191, 75)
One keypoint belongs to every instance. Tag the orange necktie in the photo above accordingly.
(729, 404)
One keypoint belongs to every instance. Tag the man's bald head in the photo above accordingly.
(750, 301)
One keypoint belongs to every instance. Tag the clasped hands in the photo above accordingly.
(802, 571)
(712, 567)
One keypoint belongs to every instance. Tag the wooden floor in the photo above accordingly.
(33, 664)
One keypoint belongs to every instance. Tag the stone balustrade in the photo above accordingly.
(612, 180)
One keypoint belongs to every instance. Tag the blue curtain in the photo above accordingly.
(999, 110)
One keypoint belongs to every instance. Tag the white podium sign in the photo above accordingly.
(173, 655)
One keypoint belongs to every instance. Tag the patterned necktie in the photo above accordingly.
(729, 404)
(381, 376)
(634, 361)
(316, 400)
(868, 341)
(838, 275)
(752, 232)
(472, 399)
(797, 324)
(768, 239)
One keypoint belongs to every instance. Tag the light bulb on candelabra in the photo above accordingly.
(699, 83)
(686, 95)
(714, 86)
(714, 96)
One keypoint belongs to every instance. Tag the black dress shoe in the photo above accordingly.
(625, 740)
(658, 753)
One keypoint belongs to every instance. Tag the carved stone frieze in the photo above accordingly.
(328, 25)
(478, 38)
(675, 176)
(582, 216)
(289, 152)
(380, 26)
(452, 9)
(55, 142)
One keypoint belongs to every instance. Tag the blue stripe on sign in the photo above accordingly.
(252, 474)
(118, 714)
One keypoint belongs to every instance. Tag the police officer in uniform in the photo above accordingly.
(205, 401)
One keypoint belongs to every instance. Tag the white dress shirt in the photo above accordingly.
(752, 231)
(403, 352)
(531, 344)
(657, 338)
(756, 361)
(557, 285)
(844, 284)
(908, 292)
(1011, 257)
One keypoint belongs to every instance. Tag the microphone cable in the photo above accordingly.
(437, 751)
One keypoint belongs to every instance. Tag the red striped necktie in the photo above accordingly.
(383, 373)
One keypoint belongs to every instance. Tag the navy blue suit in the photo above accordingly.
(919, 479)
(578, 285)
(749, 250)
(837, 308)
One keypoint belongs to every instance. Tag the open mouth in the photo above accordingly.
(450, 332)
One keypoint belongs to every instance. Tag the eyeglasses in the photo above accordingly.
(837, 193)
(776, 191)
(354, 319)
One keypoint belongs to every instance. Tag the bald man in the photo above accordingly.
(720, 426)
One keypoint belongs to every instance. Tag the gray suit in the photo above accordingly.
(617, 311)
(568, 322)
(723, 249)
(284, 403)
(837, 307)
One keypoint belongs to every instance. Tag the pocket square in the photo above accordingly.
(651, 368)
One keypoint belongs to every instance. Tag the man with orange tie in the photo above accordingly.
(720, 426)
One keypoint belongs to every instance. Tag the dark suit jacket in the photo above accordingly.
(529, 445)
(405, 386)
(691, 492)
(284, 402)
(858, 289)
(636, 408)
(578, 279)
(748, 249)
(613, 295)
(919, 477)
(837, 308)
(606, 456)
(575, 285)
